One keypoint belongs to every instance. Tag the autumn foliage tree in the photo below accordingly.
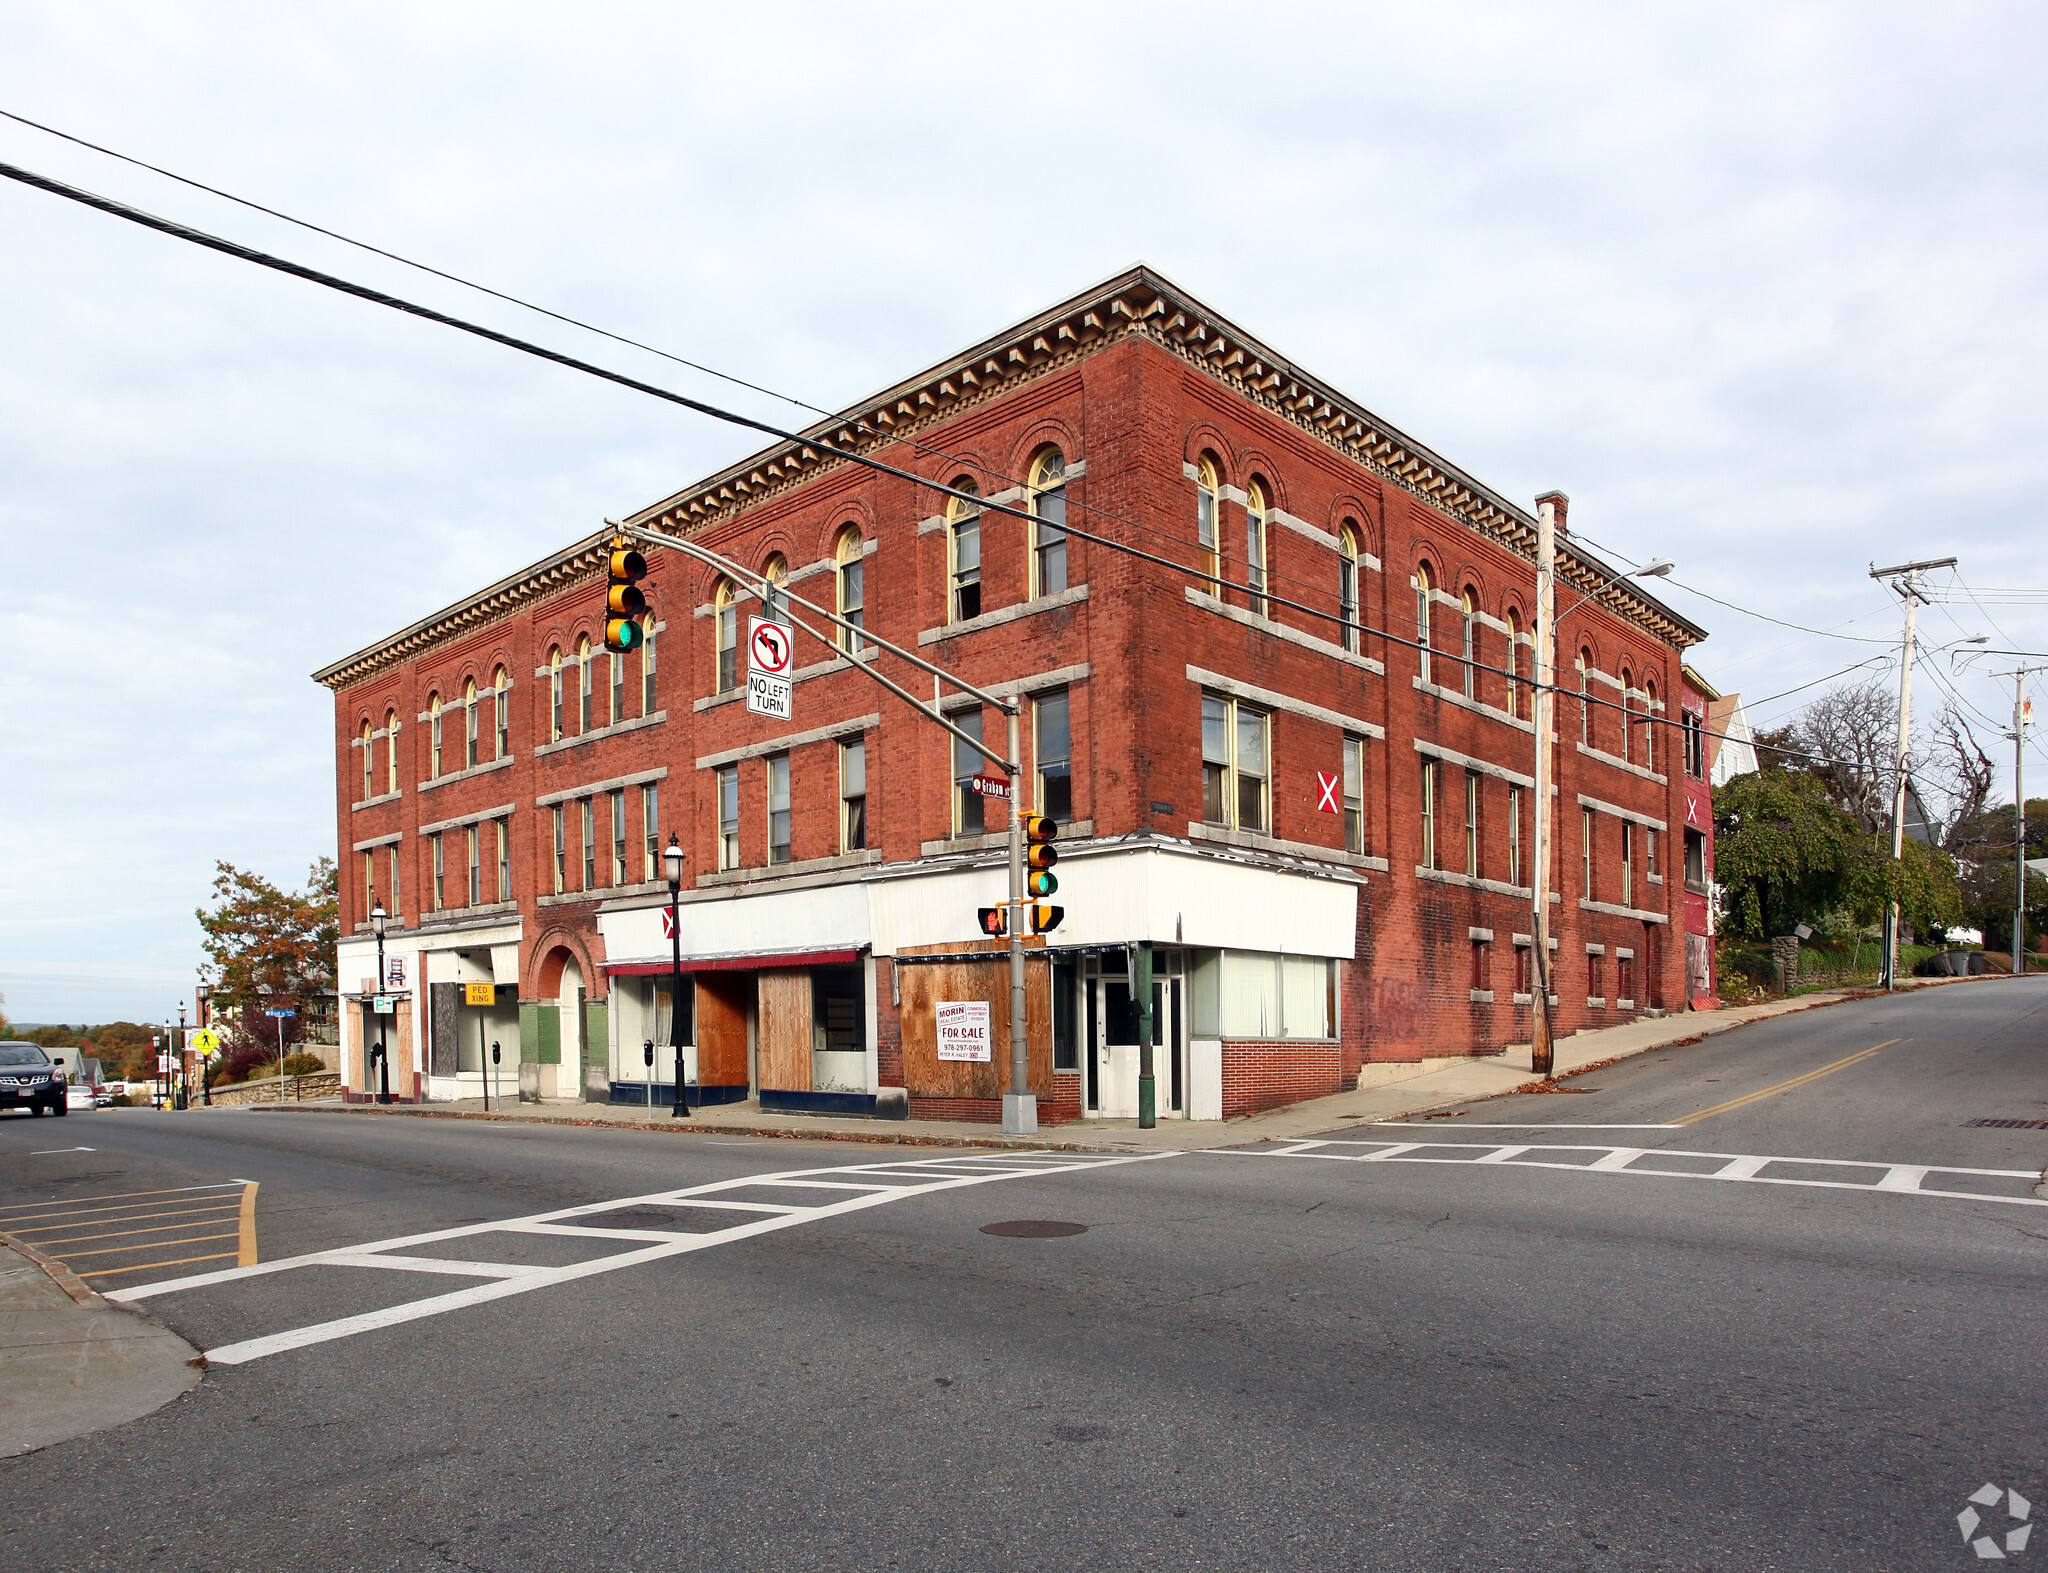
(270, 949)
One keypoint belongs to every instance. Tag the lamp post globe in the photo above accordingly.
(378, 918)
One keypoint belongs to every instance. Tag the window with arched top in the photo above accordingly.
(615, 710)
(1628, 706)
(776, 602)
(469, 720)
(647, 686)
(555, 694)
(1514, 690)
(501, 693)
(1650, 725)
(391, 750)
(1347, 584)
(963, 552)
(850, 571)
(1468, 610)
(1208, 484)
(583, 684)
(1585, 697)
(1425, 583)
(434, 737)
(1049, 523)
(369, 791)
(1255, 546)
(725, 636)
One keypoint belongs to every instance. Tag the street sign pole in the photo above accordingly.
(1020, 1108)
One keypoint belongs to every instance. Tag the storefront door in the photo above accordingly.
(1110, 1086)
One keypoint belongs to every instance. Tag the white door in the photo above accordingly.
(1111, 1089)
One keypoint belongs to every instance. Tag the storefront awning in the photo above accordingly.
(741, 963)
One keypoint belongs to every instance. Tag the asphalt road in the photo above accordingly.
(1300, 1357)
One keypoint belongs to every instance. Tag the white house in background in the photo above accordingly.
(1730, 739)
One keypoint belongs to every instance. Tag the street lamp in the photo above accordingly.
(205, 993)
(672, 866)
(378, 918)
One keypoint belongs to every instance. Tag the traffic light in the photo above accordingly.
(991, 920)
(1040, 855)
(1045, 919)
(623, 599)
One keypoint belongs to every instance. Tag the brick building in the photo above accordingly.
(1697, 746)
(1294, 758)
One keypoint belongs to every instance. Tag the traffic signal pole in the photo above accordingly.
(1020, 1104)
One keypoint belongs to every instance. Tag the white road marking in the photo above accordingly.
(52, 1152)
(1908, 1179)
(873, 1185)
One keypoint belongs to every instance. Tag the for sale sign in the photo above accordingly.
(963, 1030)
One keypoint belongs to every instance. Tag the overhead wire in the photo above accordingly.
(1263, 595)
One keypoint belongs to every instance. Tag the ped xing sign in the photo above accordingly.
(204, 1042)
(770, 650)
(480, 994)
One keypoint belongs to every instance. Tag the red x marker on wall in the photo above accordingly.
(1326, 793)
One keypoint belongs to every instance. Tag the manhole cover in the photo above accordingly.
(1034, 1228)
(2011, 1125)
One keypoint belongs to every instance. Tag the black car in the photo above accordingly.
(29, 1078)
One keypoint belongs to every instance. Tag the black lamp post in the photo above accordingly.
(205, 993)
(672, 865)
(378, 917)
(184, 1038)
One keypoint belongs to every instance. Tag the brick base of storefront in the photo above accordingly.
(1269, 1075)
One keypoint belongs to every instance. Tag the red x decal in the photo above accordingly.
(1326, 794)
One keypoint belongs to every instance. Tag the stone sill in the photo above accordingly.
(803, 674)
(470, 774)
(1452, 696)
(1265, 625)
(372, 802)
(1614, 911)
(1621, 764)
(597, 733)
(1007, 614)
(999, 840)
(1485, 996)
(1253, 841)
(1472, 882)
(742, 876)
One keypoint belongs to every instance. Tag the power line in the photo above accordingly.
(1263, 595)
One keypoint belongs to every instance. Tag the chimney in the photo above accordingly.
(1561, 503)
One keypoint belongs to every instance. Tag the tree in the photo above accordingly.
(1853, 731)
(270, 948)
(1782, 851)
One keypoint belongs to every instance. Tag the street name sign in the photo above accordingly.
(991, 786)
(280, 1013)
(963, 1029)
(770, 647)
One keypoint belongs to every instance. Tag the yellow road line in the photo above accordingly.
(1784, 1086)
(153, 1209)
(246, 1256)
(150, 1245)
(121, 1196)
(12, 1227)
(143, 1267)
(116, 1234)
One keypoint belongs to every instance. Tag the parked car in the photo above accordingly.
(30, 1079)
(103, 1096)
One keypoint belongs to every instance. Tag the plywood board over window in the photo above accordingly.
(924, 984)
(722, 1001)
(785, 1028)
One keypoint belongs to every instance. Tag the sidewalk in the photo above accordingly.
(70, 1363)
(1485, 1077)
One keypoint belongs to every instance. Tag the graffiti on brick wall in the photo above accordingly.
(1398, 1010)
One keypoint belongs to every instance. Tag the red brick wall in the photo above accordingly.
(1267, 1075)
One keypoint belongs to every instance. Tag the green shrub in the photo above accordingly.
(304, 1065)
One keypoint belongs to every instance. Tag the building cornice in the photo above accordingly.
(1136, 304)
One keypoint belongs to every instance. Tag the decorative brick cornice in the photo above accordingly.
(1138, 303)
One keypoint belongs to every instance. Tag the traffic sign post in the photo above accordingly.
(770, 687)
(279, 1016)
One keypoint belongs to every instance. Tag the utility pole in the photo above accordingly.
(1911, 591)
(2022, 717)
(1541, 711)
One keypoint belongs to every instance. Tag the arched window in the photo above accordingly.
(469, 753)
(647, 694)
(1585, 701)
(391, 750)
(1514, 663)
(616, 711)
(963, 552)
(725, 636)
(1255, 547)
(776, 572)
(1049, 523)
(501, 689)
(583, 684)
(1649, 725)
(1425, 582)
(851, 568)
(1628, 704)
(1347, 583)
(369, 791)
(555, 694)
(1207, 484)
(1469, 631)
(434, 721)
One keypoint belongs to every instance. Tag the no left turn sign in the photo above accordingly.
(768, 647)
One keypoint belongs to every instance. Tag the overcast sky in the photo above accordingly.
(1759, 285)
